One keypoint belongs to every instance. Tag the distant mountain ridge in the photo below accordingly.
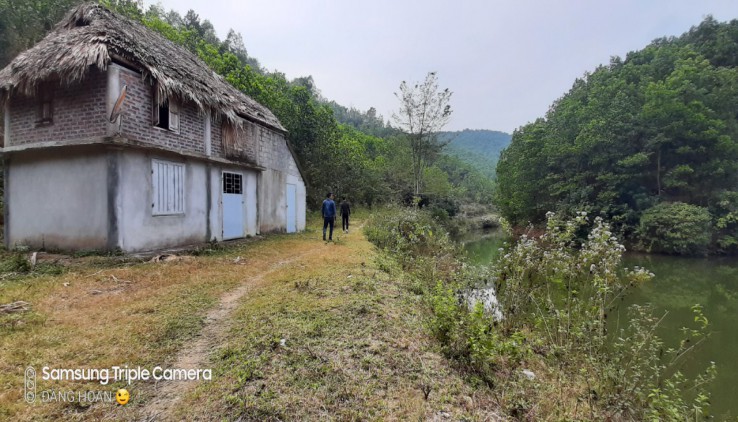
(479, 147)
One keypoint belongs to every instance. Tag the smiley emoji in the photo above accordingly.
(122, 396)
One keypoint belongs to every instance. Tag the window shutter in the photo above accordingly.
(155, 107)
(46, 110)
(168, 184)
(173, 115)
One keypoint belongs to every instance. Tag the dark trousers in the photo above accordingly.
(328, 221)
(344, 221)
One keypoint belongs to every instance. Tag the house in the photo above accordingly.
(117, 138)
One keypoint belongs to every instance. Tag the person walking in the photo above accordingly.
(329, 215)
(345, 212)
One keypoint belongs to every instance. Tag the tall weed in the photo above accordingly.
(556, 291)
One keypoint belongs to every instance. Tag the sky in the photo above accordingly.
(506, 62)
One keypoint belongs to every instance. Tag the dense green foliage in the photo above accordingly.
(368, 122)
(480, 148)
(550, 353)
(676, 228)
(659, 126)
(24, 23)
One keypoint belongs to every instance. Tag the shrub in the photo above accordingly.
(560, 288)
(555, 291)
(447, 204)
(675, 228)
(470, 335)
(409, 233)
(416, 241)
(440, 214)
(15, 263)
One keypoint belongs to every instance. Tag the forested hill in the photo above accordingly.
(649, 142)
(480, 148)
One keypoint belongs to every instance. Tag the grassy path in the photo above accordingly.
(195, 354)
(292, 328)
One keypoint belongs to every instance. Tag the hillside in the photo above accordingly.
(481, 148)
(649, 142)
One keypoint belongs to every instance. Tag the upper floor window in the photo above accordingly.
(240, 141)
(45, 104)
(165, 114)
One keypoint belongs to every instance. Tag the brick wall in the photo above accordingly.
(250, 138)
(137, 123)
(216, 138)
(78, 113)
(266, 150)
(274, 153)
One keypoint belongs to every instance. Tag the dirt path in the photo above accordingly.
(196, 354)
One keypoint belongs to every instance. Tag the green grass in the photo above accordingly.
(356, 346)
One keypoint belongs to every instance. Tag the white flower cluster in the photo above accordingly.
(561, 257)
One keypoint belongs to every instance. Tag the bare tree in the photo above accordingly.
(424, 110)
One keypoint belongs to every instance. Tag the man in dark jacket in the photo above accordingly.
(345, 212)
(329, 214)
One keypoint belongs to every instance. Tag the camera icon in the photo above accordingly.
(30, 385)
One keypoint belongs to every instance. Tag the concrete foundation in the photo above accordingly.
(99, 197)
(57, 200)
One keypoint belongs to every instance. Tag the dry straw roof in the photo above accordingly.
(91, 35)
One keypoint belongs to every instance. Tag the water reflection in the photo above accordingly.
(712, 283)
(484, 247)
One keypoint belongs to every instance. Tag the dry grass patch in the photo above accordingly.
(99, 313)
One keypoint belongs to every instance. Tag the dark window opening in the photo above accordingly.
(232, 183)
(163, 115)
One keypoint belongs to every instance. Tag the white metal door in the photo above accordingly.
(291, 208)
(233, 206)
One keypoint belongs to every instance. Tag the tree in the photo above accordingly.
(424, 110)
(658, 127)
(24, 23)
(234, 44)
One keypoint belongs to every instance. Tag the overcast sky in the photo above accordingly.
(504, 61)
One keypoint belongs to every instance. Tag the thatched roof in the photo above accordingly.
(91, 35)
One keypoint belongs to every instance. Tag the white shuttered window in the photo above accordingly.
(168, 193)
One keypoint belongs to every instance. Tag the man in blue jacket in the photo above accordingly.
(329, 214)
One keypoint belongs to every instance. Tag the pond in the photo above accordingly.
(679, 284)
